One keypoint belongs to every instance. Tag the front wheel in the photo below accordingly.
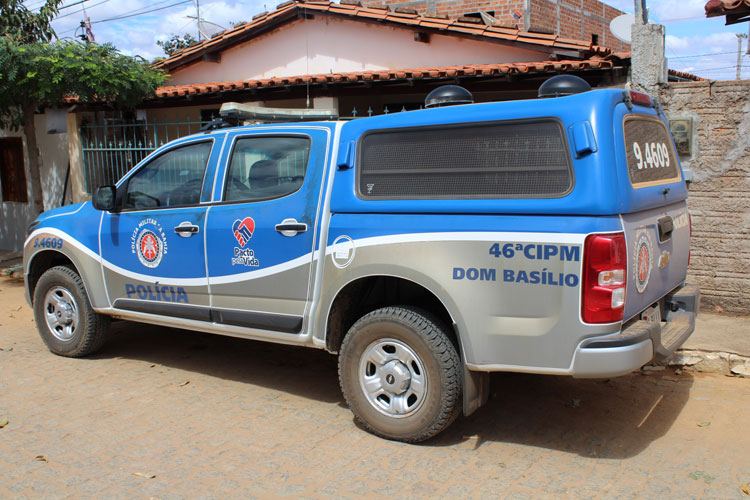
(400, 374)
(64, 317)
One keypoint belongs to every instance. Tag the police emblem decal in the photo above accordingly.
(643, 260)
(149, 243)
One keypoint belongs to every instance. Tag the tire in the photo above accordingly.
(401, 374)
(64, 317)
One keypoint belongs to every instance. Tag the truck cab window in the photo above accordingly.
(266, 167)
(171, 180)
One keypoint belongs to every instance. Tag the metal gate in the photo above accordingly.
(112, 149)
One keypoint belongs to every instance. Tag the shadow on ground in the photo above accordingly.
(615, 418)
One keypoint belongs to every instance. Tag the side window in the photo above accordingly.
(173, 179)
(266, 167)
(509, 159)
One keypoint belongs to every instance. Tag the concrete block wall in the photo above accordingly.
(576, 19)
(719, 198)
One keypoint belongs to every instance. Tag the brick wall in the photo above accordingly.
(576, 19)
(454, 8)
(719, 201)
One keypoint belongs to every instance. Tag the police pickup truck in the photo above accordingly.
(426, 248)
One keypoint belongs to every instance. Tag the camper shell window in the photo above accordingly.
(508, 159)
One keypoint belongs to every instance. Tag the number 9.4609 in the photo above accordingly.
(48, 242)
(653, 155)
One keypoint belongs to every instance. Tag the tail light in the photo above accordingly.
(605, 270)
(640, 98)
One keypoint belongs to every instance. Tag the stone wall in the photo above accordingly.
(720, 193)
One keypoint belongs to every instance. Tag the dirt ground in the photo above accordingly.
(163, 413)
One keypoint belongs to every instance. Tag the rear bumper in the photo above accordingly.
(640, 341)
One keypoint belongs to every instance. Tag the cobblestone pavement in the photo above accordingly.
(168, 414)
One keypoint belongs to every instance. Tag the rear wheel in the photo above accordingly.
(400, 374)
(64, 317)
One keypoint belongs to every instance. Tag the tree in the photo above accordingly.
(176, 43)
(34, 73)
(25, 26)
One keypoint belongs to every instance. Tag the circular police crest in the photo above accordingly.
(149, 242)
(643, 260)
(149, 248)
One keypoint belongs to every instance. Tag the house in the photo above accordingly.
(355, 60)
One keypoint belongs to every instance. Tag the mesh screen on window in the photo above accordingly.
(497, 160)
(266, 167)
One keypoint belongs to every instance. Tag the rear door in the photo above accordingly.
(261, 234)
(655, 218)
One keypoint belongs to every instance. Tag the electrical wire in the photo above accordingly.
(77, 12)
(73, 4)
(734, 66)
(131, 13)
(703, 55)
(141, 13)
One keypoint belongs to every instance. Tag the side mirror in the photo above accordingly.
(104, 198)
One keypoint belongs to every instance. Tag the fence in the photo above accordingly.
(112, 149)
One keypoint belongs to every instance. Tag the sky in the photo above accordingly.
(694, 44)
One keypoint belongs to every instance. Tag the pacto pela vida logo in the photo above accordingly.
(243, 230)
(149, 242)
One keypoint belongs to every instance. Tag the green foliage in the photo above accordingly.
(48, 73)
(176, 43)
(25, 26)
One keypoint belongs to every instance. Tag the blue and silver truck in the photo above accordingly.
(425, 248)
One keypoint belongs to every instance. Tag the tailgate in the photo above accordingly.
(658, 243)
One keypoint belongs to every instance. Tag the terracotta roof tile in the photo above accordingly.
(400, 74)
(722, 7)
(467, 28)
(432, 24)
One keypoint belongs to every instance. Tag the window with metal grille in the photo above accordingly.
(511, 159)
(12, 170)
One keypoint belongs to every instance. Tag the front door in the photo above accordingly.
(261, 235)
(152, 251)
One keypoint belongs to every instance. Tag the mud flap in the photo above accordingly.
(476, 390)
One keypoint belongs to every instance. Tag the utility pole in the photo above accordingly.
(648, 69)
(641, 12)
(740, 36)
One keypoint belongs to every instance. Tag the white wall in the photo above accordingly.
(15, 217)
(325, 45)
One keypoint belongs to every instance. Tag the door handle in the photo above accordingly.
(290, 227)
(186, 229)
(666, 226)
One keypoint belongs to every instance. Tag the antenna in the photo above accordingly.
(198, 17)
(207, 28)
